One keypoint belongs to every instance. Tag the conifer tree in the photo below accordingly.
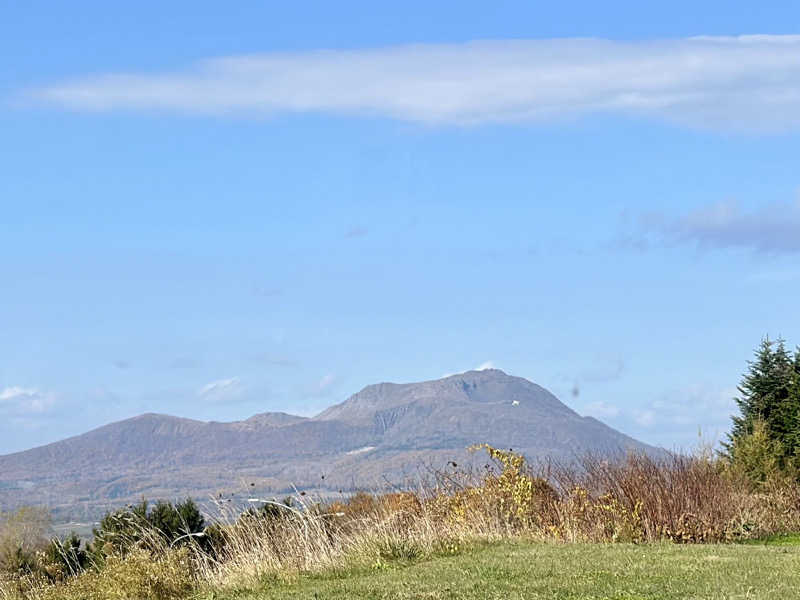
(770, 393)
(793, 438)
(752, 392)
(785, 418)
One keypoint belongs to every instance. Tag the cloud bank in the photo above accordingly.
(773, 228)
(18, 401)
(696, 405)
(733, 83)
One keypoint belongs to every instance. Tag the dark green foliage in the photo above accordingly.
(214, 540)
(140, 525)
(271, 510)
(176, 522)
(769, 395)
(794, 400)
(119, 531)
(757, 455)
(65, 558)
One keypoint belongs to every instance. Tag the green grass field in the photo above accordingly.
(575, 571)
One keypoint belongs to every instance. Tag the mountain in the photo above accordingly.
(385, 433)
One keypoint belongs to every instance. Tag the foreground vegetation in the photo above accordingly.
(519, 518)
(559, 571)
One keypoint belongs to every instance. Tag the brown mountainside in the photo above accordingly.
(385, 432)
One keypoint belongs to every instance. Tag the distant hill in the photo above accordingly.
(385, 432)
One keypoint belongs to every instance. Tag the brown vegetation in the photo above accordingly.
(636, 499)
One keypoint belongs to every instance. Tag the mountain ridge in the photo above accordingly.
(381, 433)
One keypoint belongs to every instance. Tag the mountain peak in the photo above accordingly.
(273, 419)
(486, 387)
(401, 426)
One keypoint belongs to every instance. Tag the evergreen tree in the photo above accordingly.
(66, 557)
(769, 393)
(121, 530)
(783, 419)
(176, 521)
(793, 438)
(752, 389)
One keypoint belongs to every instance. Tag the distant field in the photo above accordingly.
(577, 571)
(82, 529)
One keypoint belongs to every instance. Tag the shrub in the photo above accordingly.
(136, 576)
(64, 558)
(23, 534)
(164, 524)
(757, 455)
(509, 498)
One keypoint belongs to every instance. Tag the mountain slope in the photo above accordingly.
(384, 432)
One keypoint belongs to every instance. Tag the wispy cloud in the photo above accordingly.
(15, 392)
(740, 83)
(325, 383)
(21, 401)
(316, 389)
(486, 365)
(601, 409)
(693, 406)
(772, 228)
(220, 387)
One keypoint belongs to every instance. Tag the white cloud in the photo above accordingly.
(733, 83)
(694, 406)
(20, 401)
(14, 393)
(771, 228)
(645, 418)
(601, 410)
(219, 387)
(326, 382)
(489, 364)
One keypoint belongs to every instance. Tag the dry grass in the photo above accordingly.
(637, 499)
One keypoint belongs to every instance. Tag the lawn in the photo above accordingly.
(553, 571)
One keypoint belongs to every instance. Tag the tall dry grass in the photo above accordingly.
(634, 499)
(637, 498)
(674, 497)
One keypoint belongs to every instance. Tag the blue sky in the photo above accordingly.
(213, 212)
